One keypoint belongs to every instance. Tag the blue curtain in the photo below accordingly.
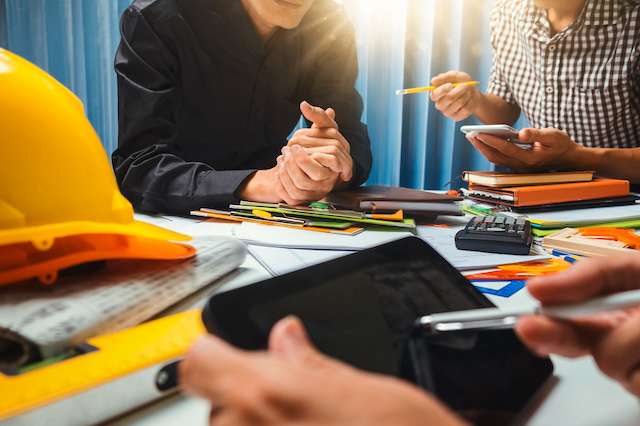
(401, 43)
(75, 41)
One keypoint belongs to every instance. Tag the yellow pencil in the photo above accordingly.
(429, 88)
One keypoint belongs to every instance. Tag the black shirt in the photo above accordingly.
(202, 105)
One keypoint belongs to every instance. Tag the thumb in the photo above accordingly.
(319, 117)
(199, 375)
(530, 135)
(450, 77)
(539, 135)
(289, 339)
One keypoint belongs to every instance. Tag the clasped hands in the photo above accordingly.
(314, 162)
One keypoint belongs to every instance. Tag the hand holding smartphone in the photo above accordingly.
(501, 131)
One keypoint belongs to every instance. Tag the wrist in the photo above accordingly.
(615, 163)
(583, 158)
(479, 101)
(259, 187)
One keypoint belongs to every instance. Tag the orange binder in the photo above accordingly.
(549, 194)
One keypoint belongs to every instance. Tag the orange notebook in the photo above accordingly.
(552, 193)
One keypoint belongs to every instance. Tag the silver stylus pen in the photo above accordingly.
(501, 318)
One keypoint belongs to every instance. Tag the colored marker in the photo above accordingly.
(569, 257)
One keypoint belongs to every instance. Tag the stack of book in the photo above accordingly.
(345, 212)
(532, 191)
(381, 198)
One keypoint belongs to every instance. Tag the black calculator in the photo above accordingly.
(496, 234)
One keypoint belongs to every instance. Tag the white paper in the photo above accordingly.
(591, 215)
(278, 236)
(443, 241)
(172, 223)
(278, 260)
(121, 294)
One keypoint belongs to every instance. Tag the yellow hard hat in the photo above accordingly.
(55, 177)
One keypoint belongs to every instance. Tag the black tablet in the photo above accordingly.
(361, 308)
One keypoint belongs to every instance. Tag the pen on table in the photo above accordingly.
(429, 88)
(489, 318)
(569, 257)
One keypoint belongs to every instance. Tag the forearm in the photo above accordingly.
(161, 182)
(492, 109)
(259, 187)
(616, 163)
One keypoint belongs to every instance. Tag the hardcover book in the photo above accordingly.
(391, 198)
(506, 178)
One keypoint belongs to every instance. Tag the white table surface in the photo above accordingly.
(579, 394)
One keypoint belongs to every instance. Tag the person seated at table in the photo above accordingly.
(209, 90)
(573, 69)
(292, 383)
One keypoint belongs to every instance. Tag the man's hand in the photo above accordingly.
(323, 141)
(314, 162)
(455, 102)
(300, 178)
(296, 179)
(294, 384)
(551, 149)
(612, 338)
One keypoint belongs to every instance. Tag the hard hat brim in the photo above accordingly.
(24, 261)
(43, 237)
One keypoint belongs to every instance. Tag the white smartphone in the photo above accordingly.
(501, 131)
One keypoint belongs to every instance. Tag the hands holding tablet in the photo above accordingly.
(293, 384)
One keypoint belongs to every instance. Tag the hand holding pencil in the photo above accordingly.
(455, 94)
(431, 88)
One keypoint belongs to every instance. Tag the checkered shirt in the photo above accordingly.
(584, 80)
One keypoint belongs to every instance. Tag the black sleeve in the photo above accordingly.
(334, 86)
(147, 164)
